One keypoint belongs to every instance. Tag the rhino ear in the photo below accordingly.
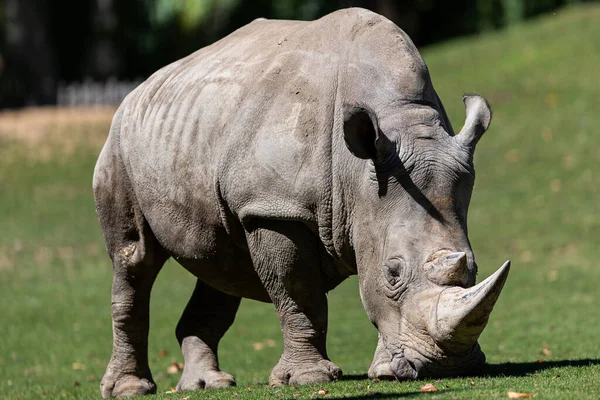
(363, 137)
(479, 116)
(360, 133)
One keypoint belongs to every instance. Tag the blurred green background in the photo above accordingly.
(45, 44)
(536, 201)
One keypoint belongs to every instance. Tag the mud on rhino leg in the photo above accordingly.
(381, 367)
(286, 256)
(205, 320)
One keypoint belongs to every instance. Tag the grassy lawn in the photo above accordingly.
(536, 201)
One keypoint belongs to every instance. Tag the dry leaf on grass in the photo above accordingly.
(162, 353)
(546, 352)
(320, 392)
(258, 346)
(518, 395)
(174, 368)
(173, 390)
(428, 388)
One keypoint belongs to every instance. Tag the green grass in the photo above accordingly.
(536, 201)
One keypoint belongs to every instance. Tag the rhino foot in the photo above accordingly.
(382, 371)
(286, 373)
(126, 386)
(381, 367)
(195, 380)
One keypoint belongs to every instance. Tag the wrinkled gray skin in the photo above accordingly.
(274, 164)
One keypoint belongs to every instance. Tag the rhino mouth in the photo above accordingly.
(412, 364)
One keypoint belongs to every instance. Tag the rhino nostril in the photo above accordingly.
(412, 365)
(403, 368)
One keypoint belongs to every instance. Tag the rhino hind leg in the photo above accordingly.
(381, 367)
(137, 259)
(205, 320)
(135, 267)
(287, 257)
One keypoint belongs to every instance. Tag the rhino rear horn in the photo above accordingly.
(460, 315)
(449, 268)
(479, 116)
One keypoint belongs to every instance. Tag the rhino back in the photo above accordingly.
(246, 124)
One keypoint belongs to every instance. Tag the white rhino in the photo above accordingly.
(273, 165)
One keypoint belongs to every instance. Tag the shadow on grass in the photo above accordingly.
(354, 377)
(509, 369)
(382, 395)
(527, 368)
(388, 395)
(489, 371)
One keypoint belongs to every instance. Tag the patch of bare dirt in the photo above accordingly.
(32, 124)
(45, 129)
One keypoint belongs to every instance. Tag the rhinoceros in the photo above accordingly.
(272, 165)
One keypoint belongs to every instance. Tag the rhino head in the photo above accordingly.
(415, 264)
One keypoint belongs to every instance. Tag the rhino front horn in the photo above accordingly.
(460, 315)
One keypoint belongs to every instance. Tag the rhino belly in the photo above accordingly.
(195, 238)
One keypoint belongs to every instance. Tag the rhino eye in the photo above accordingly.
(393, 270)
(395, 277)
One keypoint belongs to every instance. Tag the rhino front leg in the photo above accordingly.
(287, 259)
(205, 320)
(381, 367)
